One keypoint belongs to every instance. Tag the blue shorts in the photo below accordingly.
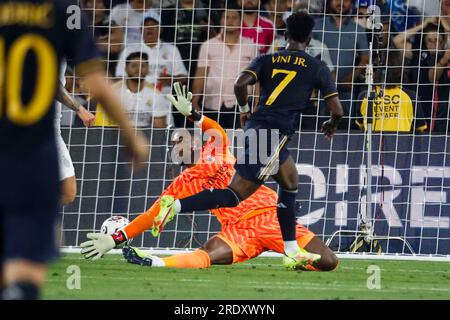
(264, 152)
(29, 197)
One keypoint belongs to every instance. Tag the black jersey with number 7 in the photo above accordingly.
(287, 79)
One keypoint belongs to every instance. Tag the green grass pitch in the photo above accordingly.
(261, 278)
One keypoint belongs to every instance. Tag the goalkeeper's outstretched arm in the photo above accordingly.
(99, 244)
(183, 103)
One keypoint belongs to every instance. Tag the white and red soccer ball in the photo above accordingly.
(113, 224)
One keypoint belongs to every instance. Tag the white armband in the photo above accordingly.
(199, 123)
(244, 109)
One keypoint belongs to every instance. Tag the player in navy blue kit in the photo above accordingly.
(32, 45)
(287, 79)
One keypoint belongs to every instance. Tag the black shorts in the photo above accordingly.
(29, 197)
(264, 152)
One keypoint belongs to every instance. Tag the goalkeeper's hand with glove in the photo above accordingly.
(101, 243)
(183, 104)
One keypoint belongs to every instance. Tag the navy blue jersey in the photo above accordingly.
(35, 35)
(287, 79)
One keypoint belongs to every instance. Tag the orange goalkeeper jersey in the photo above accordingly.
(213, 170)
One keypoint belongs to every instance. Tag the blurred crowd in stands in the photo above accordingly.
(148, 45)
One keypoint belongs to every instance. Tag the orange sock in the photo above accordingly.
(143, 222)
(309, 267)
(196, 259)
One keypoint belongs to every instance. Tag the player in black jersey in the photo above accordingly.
(287, 79)
(34, 38)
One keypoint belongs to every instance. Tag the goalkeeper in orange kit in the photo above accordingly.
(247, 230)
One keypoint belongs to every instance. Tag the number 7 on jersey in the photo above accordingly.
(282, 85)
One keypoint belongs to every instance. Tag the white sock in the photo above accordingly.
(157, 262)
(177, 206)
(291, 247)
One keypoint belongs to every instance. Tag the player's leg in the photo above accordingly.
(68, 190)
(219, 251)
(243, 184)
(328, 260)
(29, 216)
(66, 173)
(2, 243)
(238, 190)
(214, 251)
(287, 178)
(19, 278)
(30, 243)
(222, 249)
(23, 278)
(196, 259)
(269, 236)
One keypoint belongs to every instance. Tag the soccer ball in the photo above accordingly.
(114, 223)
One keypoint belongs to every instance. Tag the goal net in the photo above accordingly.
(410, 172)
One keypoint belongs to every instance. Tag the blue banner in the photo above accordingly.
(410, 188)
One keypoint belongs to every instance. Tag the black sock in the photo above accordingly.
(21, 291)
(286, 214)
(210, 199)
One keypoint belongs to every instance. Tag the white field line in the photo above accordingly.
(301, 285)
(359, 256)
(249, 266)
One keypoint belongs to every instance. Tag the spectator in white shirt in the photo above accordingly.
(220, 61)
(164, 60)
(144, 103)
(131, 16)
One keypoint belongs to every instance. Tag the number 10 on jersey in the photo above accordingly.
(12, 65)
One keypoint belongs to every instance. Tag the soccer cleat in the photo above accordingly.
(301, 258)
(166, 213)
(136, 256)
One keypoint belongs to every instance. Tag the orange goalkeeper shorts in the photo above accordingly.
(251, 237)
